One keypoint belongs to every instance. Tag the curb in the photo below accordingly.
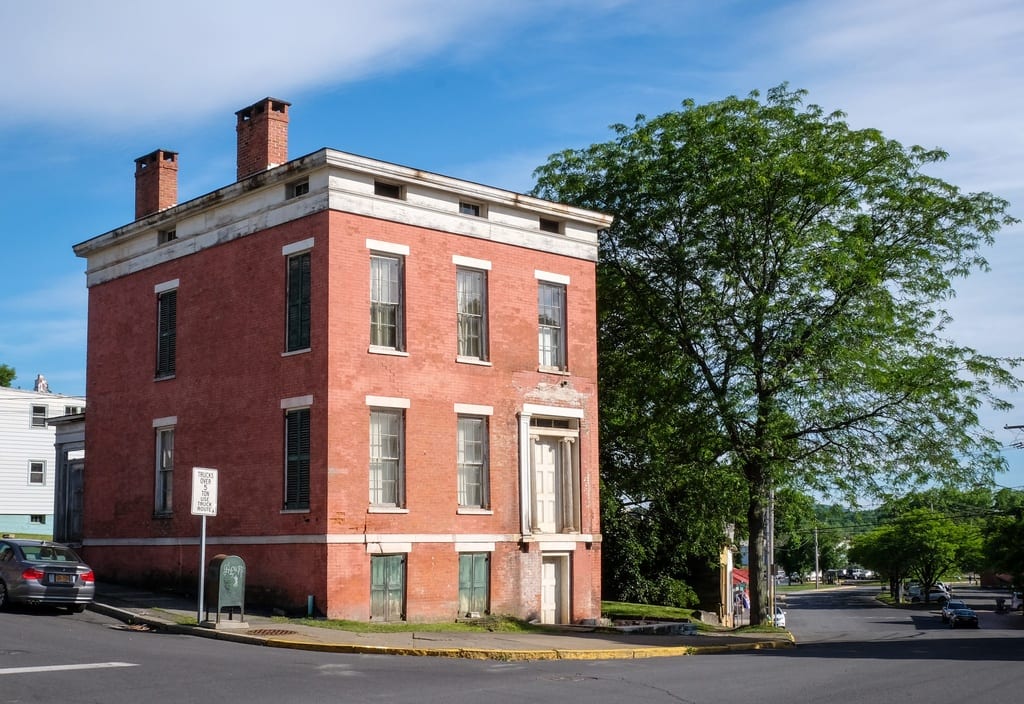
(133, 618)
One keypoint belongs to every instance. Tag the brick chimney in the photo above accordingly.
(262, 136)
(156, 182)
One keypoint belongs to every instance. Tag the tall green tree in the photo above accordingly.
(777, 279)
(7, 375)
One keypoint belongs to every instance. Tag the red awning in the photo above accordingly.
(740, 575)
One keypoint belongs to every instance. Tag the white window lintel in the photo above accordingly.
(550, 278)
(387, 402)
(297, 402)
(387, 247)
(471, 409)
(532, 409)
(296, 247)
(166, 286)
(166, 422)
(470, 262)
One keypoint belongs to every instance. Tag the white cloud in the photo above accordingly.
(124, 62)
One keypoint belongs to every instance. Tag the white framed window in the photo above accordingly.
(550, 225)
(473, 456)
(388, 190)
(387, 466)
(551, 345)
(473, 209)
(38, 419)
(164, 487)
(471, 314)
(296, 189)
(37, 518)
(37, 472)
(387, 313)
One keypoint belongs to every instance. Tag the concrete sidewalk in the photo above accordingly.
(143, 610)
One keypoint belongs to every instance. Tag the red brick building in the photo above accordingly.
(393, 371)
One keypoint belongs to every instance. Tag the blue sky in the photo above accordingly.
(476, 89)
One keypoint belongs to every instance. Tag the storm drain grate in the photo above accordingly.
(271, 632)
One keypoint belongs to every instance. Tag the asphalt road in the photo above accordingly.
(850, 649)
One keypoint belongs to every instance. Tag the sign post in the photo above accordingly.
(204, 503)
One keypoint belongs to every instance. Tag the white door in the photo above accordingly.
(552, 608)
(546, 484)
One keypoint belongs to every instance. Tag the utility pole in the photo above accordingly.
(817, 566)
(771, 555)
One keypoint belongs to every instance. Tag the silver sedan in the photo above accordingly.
(42, 572)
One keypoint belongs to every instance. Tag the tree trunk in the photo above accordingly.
(757, 546)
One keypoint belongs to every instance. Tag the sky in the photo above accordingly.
(482, 90)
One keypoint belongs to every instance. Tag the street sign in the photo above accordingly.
(204, 491)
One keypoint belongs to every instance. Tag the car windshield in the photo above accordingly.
(49, 553)
(956, 605)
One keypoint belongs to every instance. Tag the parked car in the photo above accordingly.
(42, 572)
(963, 617)
(950, 606)
(935, 596)
(779, 620)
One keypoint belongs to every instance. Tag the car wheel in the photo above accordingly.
(3, 595)
(76, 608)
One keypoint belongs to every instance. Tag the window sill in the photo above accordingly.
(294, 510)
(162, 515)
(473, 360)
(387, 350)
(292, 353)
(554, 370)
(166, 377)
(386, 509)
(469, 511)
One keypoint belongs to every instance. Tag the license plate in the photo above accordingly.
(63, 579)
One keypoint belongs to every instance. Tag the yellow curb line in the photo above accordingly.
(525, 655)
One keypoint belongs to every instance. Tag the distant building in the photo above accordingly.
(394, 373)
(27, 466)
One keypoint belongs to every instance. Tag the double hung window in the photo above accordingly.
(551, 325)
(471, 289)
(387, 440)
(164, 470)
(386, 305)
(472, 461)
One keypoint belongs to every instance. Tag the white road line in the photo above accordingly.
(56, 668)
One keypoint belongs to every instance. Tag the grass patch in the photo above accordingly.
(763, 628)
(502, 624)
(644, 612)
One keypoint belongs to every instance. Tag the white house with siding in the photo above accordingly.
(27, 456)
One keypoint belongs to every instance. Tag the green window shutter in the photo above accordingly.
(167, 332)
(296, 490)
(299, 295)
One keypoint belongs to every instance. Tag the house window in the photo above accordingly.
(167, 332)
(38, 416)
(37, 518)
(474, 583)
(386, 467)
(165, 236)
(72, 410)
(296, 470)
(297, 188)
(551, 325)
(472, 460)
(388, 190)
(474, 209)
(386, 313)
(298, 297)
(471, 289)
(553, 226)
(164, 470)
(36, 472)
(387, 587)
